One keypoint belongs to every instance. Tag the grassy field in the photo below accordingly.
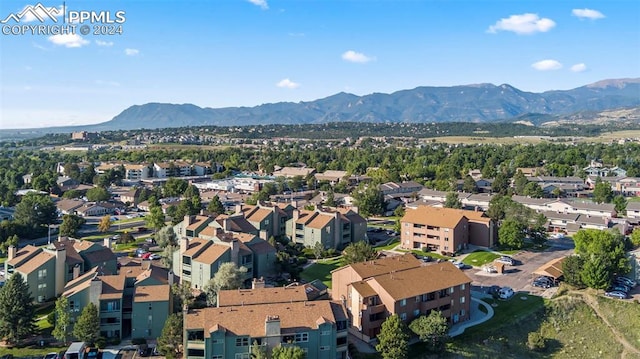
(389, 246)
(624, 316)
(605, 137)
(321, 270)
(30, 351)
(480, 258)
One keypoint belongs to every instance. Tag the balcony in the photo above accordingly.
(374, 309)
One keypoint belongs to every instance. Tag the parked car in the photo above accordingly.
(541, 284)
(506, 260)
(427, 259)
(619, 288)
(144, 350)
(506, 293)
(155, 257)
(459, 265)
(92, 353)
(616, 294)
(489, 268)
(150, 240)
(494, 289)
(51, 356)
(626, 281)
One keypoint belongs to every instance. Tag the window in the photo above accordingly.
(325, 332)
(462, 286)
(242, 342)
(42, 274)
(417, 298)
(416, 312)
(462, 300)
(446, 239)
(195, 352)
(429, 296)
(42, 287)
(325, 347)
(403, 302)
(462, 312)
(403, 316)
(451, 290)
(443, 293)
(217, 357)
(302, 337)
(243, 356)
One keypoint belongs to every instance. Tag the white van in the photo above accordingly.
(75, 351)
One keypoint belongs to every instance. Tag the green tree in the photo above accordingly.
(572, 270)
(393, 340)
(331, 200)
(87, 328)
(607, 244)
(97, 194)
(10, 241)
(360, 251)
(73, 193)
(166, 237)
(170, 340)
(215, 205)
(511, 235)
(174, 187)
(399, 211)
(288, 352)
(183, 295)
(227, 277)
(431, 329)
(452, 201)
(519, 182)
(105, 224)
(318, 250)
(597, 272)
(62, 323)
(155, 218)
(71, 225)
(17, 321)
(635, 237)
(469, 185)
(602, 192)
(620, 205)
(370, 201)
(535, 341)
(533, 190)
(34, 211)
(500, 183)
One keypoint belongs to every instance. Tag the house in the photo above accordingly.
(162, 170)
(93, 209)
(402, 285)
(445, 230)
(333, 177)
(484, 185)
(135, 302)
(290, 172)
(633, 210)
(403, 188)
(600, 171)
(133, 196)
(333, 228)
(47, 270)
(318, 327)
(628, 186)
(530, 171)
(69, 206)
(207, 243)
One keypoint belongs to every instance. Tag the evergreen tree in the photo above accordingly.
(170, 340)
(62, 325)
(358, 252)
(452, 201)
(602, 192)
(597, 272)
(620, 205)
(510, 234)
(87, 328)
(393, 340)
(17, 320)
(469, 185)
(431, 329)
(71, 225)
(330, 201)
(215, 205)
(155, 218)
(288, 352)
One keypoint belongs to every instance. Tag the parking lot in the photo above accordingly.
(520, 276)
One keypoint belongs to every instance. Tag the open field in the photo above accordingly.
(480, 258)
(605, 137)
(321, 270)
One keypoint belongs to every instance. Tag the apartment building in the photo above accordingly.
(270, 218)
(290, 172)
(333, 228)
(134, 302)
(445, 230)
(318, 327)
(374, 290)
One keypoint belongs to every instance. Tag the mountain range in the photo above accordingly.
(468, 103)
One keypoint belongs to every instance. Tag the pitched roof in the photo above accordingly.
(198, 222)
(79, 284)
(320, 221)
(196, 245)
(424, 279)
(35, 262)
(384, 265)
(23, 253)
(261, 296)
(261, 247)
(212, 253)
(553, 268)
(100, 255)
(364, 289)
(67, 205)
(152, 293)
(235, 223)
(442, 217)
(112, 286)
(294, 317)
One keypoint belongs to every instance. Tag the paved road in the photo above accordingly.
(519, 277)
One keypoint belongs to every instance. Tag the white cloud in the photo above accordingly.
(286, 83)
(357, 57)
(262, 3)
(68, 40)
(104, 43)
(579, 67)
(131, 52)
(547, 65)
(522, 24)
(587, 14)
(43, 12)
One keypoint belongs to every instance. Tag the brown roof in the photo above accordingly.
(385, 265)
(552, 268)
(258, 215)
(199, 221)
(424, 279)
(196, 245)
(212, 253)
(209, 231)
(35, 262)
(320, 221)
(262, 247)
(112, 286)
(79, 284)
(441, 217)
(261, 296)
(72, 255)
(236, 223)
(68, 204)
(364, 289)
(294, 317)
(244, 237)
(152, 293)
(305, 216)
(23, 253)
(100, 255)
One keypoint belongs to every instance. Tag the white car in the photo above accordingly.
(506, 293)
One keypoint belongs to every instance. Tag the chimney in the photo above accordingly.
(146, 264)
(61, 268)
(294, 204)
(76, 271)
(257, 283)
(272, 330)
(11, 253)
(296, 215)
(184, 244)
(95, 290)
(225, 224)
(264, 235)
(188, 220)
(235, 251)
(238, 208)
(170, 279)
(107, 242)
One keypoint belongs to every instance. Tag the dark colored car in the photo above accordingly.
(144, 350)
(92, 353)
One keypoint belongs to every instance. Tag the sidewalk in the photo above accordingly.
(477, 317)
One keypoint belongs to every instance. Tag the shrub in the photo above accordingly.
(101, 343)
(535, 341)
(426, 249)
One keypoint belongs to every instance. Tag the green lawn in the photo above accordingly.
(30, 351)
(389, 246)
(624, 316)
(480, 258)
(321, 270)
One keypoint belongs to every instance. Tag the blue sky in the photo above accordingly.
(245, 53)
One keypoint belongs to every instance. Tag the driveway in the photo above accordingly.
(519, 277)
